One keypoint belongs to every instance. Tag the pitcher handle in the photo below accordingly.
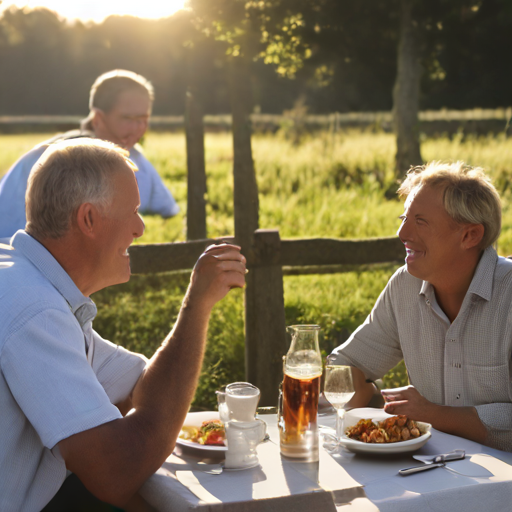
(280, 419)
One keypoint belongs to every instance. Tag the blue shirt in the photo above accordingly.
(155, 197)
(57, 376)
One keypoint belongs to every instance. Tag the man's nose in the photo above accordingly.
(404, 230)
(139, 228)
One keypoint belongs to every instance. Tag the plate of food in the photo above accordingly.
(374, 431)
(203, 431)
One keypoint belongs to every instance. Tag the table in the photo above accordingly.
(343, 482)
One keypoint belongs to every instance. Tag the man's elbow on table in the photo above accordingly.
(365, 392)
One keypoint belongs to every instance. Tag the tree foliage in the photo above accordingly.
(342, 54)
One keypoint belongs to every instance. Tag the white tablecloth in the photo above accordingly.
(363, 483)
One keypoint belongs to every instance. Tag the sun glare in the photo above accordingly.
(98, 10)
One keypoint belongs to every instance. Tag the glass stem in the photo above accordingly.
(340, 413)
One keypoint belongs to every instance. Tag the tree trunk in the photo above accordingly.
(245, 187)
(406, 93)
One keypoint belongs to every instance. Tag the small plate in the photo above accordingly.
(195, 419)
(411, 445)
(224, 468)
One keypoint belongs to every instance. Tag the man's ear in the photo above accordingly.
(472, 235)
(97, 120)
(87, 217)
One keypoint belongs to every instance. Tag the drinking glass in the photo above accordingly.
(242, 400)
(338, 390)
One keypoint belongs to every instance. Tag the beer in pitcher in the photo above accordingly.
(298, 405)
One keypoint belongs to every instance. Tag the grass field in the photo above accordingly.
(329, 186)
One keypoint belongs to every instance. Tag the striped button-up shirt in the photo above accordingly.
(464, 363)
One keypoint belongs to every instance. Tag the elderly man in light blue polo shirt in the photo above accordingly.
(69, 399)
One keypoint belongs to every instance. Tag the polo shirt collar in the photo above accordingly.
(81, 306)
(482, 281)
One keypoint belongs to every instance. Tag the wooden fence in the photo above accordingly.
(265, 337)
(336, 120)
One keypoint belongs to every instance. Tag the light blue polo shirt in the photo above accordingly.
(155, 197)
(57, 376)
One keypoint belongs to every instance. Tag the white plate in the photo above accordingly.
(353, 416)
(195, 419)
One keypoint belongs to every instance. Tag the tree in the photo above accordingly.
(323, 37)
(406, 92)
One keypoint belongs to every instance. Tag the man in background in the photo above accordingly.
(120, 106)
(71, 400)
(447, 312)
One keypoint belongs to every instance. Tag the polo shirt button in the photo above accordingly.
(458, 396)
(427, 302)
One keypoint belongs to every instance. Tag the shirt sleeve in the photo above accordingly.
(45, 366)
(116, 368)
(497, 419)
(374, 347)
(155, 197)
(12, 193)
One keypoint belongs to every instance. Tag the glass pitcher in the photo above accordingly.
(298, 401)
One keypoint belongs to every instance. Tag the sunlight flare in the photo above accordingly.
(97, 10)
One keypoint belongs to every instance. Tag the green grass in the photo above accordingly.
(328, 186)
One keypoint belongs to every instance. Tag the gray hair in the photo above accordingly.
(107, 88)
(68, 174)
(469, 197)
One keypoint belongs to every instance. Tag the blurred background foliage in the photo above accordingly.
(341, 54)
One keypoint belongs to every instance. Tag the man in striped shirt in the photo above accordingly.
(447, 312)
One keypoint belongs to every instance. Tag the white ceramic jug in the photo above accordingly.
(242, 438)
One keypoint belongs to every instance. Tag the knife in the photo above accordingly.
(437, 462)
(443, 457)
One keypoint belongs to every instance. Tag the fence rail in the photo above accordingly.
(293, 254)
(224, 120)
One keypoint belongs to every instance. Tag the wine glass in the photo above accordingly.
(338, 390)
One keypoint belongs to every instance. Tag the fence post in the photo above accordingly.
(246, 203)
(265, 325)
(196, 174)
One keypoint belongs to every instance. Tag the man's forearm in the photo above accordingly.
(135, 446)
(458, 421)
(175, 366)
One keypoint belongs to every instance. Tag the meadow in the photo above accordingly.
(330, 185)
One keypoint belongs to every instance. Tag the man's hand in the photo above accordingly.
(409, 402)
(459, 421)
(219, 269)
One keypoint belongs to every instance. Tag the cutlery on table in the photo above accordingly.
(429, 459)
(433, 461)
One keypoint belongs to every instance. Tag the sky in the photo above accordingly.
(98, 10)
